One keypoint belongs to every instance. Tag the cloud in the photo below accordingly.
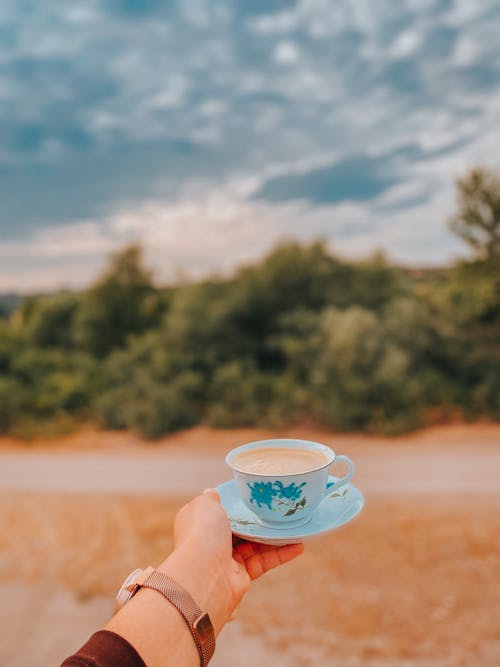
(357, 178)
(350, 116)
(215, 231)
(211, 233)
(405, 44)
(286, 53)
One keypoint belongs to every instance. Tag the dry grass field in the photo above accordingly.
(412, 582)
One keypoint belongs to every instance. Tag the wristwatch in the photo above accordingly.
(198, 622)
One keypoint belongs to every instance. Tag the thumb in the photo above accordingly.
(213, 494)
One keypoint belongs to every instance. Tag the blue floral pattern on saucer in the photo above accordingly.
(338, 507)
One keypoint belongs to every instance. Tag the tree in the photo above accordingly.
(473, 291)
(122, 302)
(47, 320)
(477, 220)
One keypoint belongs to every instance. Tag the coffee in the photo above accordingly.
(279, 461)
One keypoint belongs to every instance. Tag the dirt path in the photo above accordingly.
(447, 460)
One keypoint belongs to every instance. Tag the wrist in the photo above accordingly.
(206, 580)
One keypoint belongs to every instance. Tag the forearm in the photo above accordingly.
(156, 629)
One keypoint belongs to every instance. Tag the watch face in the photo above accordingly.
(125, 592)
(204, 627)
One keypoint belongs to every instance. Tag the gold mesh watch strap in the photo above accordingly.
(198, 622)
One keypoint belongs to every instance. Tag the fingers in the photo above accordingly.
(291, 551)
(260, 558)
(239, 558)
(264, 561)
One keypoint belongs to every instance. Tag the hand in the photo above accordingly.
(257, 559)
(223, 569)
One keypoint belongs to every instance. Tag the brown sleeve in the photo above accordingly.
(105, 649)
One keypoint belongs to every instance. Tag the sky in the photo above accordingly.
(210, 130)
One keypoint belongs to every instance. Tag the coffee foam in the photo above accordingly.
(279, 461)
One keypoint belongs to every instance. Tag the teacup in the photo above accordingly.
(283, 481)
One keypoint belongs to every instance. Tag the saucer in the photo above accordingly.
(337, 508)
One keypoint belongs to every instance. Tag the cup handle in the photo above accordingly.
(340, 482)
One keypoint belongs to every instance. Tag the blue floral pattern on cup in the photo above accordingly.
(291, 492)
(275, 493)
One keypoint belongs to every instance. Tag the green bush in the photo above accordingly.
(13, 401)
(240, 395)
(48, 321)
(300, 336)
(123, 302)
(151, 408)
(56, 381)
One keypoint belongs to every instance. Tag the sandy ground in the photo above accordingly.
(411, 582)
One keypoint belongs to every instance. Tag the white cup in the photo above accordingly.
(285, 501)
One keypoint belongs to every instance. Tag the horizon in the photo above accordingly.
(184, 281)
